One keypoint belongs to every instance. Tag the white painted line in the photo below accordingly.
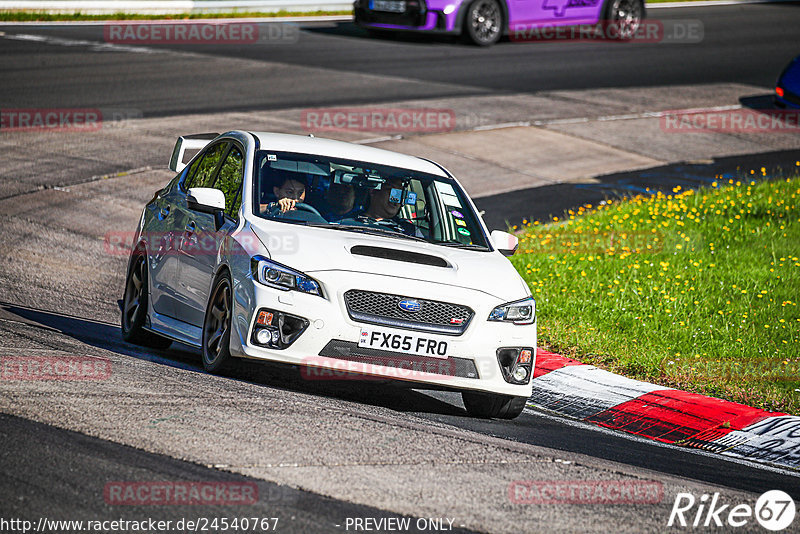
(634, 116)
(377, 139)
(604, 118)
(500, 126)
(97, 46)
(320, 18)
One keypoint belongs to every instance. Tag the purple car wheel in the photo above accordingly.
(623, 19)
(484, 22)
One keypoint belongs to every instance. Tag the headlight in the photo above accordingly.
(273, 274)
(517, 312)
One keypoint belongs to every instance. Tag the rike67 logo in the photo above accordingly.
(774, 510)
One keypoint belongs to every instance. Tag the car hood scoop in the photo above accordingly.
(399, 255)
(318, 250)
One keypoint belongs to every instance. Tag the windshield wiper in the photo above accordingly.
(458, 244)
(368, 230)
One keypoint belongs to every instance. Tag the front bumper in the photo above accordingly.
(328, 348)
(433, 16)
(789, 100)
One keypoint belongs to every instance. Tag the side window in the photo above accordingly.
(229, 181)
(187, 183)
(205, 169)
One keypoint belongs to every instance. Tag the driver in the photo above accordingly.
(288, 191)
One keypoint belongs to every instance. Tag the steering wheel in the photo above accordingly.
(275, 210)
(302, 206)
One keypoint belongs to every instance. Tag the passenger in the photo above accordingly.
(381, 207)
(339, 200)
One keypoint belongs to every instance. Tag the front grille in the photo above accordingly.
(384, 309)
(414, 15)
(410, 364)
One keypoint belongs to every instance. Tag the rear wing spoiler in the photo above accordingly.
(186, 147)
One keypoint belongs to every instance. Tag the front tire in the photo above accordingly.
(135, 304)
(217, 326)
(489, 405)
(483, 24)
(622, 19)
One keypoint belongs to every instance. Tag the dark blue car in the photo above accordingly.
(787, 88)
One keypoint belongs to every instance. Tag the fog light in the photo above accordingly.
(263, 336)
(449, 9)
(520, 374)
(276, 329)
(516, 364)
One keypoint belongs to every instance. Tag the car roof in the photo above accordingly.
(340, 149)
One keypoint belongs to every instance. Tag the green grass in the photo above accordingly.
(696, 290)
(31, 16)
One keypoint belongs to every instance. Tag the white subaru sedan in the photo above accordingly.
(342, 259)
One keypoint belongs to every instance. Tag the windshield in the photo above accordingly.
(364, 197)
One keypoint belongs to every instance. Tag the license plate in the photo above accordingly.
(403, 343)
(392, 6)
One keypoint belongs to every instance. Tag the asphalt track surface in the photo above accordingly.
(747, 44)
(80, 465)
(744, 44)
(531, 427)
(72, 484)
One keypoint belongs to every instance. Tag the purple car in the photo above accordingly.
(483, 22)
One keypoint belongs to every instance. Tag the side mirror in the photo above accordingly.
(504, 242)
(206, 200)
